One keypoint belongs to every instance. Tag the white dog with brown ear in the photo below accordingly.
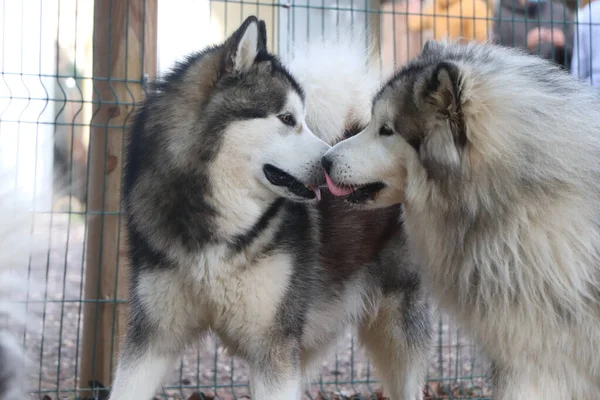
(496, 157)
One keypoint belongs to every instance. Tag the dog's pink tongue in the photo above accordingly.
(335, 189)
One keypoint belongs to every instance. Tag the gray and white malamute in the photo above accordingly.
(220, 185)
(496, 157)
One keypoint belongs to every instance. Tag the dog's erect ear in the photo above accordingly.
(442, 89)
(262, 36)
(243, 46)
(431, 46)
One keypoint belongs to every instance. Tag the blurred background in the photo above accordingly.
(71, 73)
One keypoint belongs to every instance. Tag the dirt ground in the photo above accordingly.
(54, 327)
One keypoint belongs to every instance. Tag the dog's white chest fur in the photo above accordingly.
(223, 295)
(249, 295)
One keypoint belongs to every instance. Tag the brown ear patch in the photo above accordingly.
(202, 78)
(442, 90)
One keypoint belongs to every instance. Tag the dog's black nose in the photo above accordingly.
(326, 163)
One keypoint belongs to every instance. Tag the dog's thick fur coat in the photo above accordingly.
(223, 238)
(496, 157)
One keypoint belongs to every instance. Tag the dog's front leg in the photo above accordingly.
(149, 352)
(276, 375)
(520, 382)
(398, 340)
(140, 374)
(266, 386)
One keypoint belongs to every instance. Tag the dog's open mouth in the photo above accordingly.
(278, 177)
(355, 194)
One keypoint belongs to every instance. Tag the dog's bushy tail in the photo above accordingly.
(339, 74)
(15, 235)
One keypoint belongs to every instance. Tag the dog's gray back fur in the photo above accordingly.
(502, 209)
(277, 289)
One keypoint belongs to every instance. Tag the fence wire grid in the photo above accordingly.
(72, 72)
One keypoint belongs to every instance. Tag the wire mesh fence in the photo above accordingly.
(72, 72)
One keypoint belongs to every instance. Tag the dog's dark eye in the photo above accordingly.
(287, 119)
(385, 131)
